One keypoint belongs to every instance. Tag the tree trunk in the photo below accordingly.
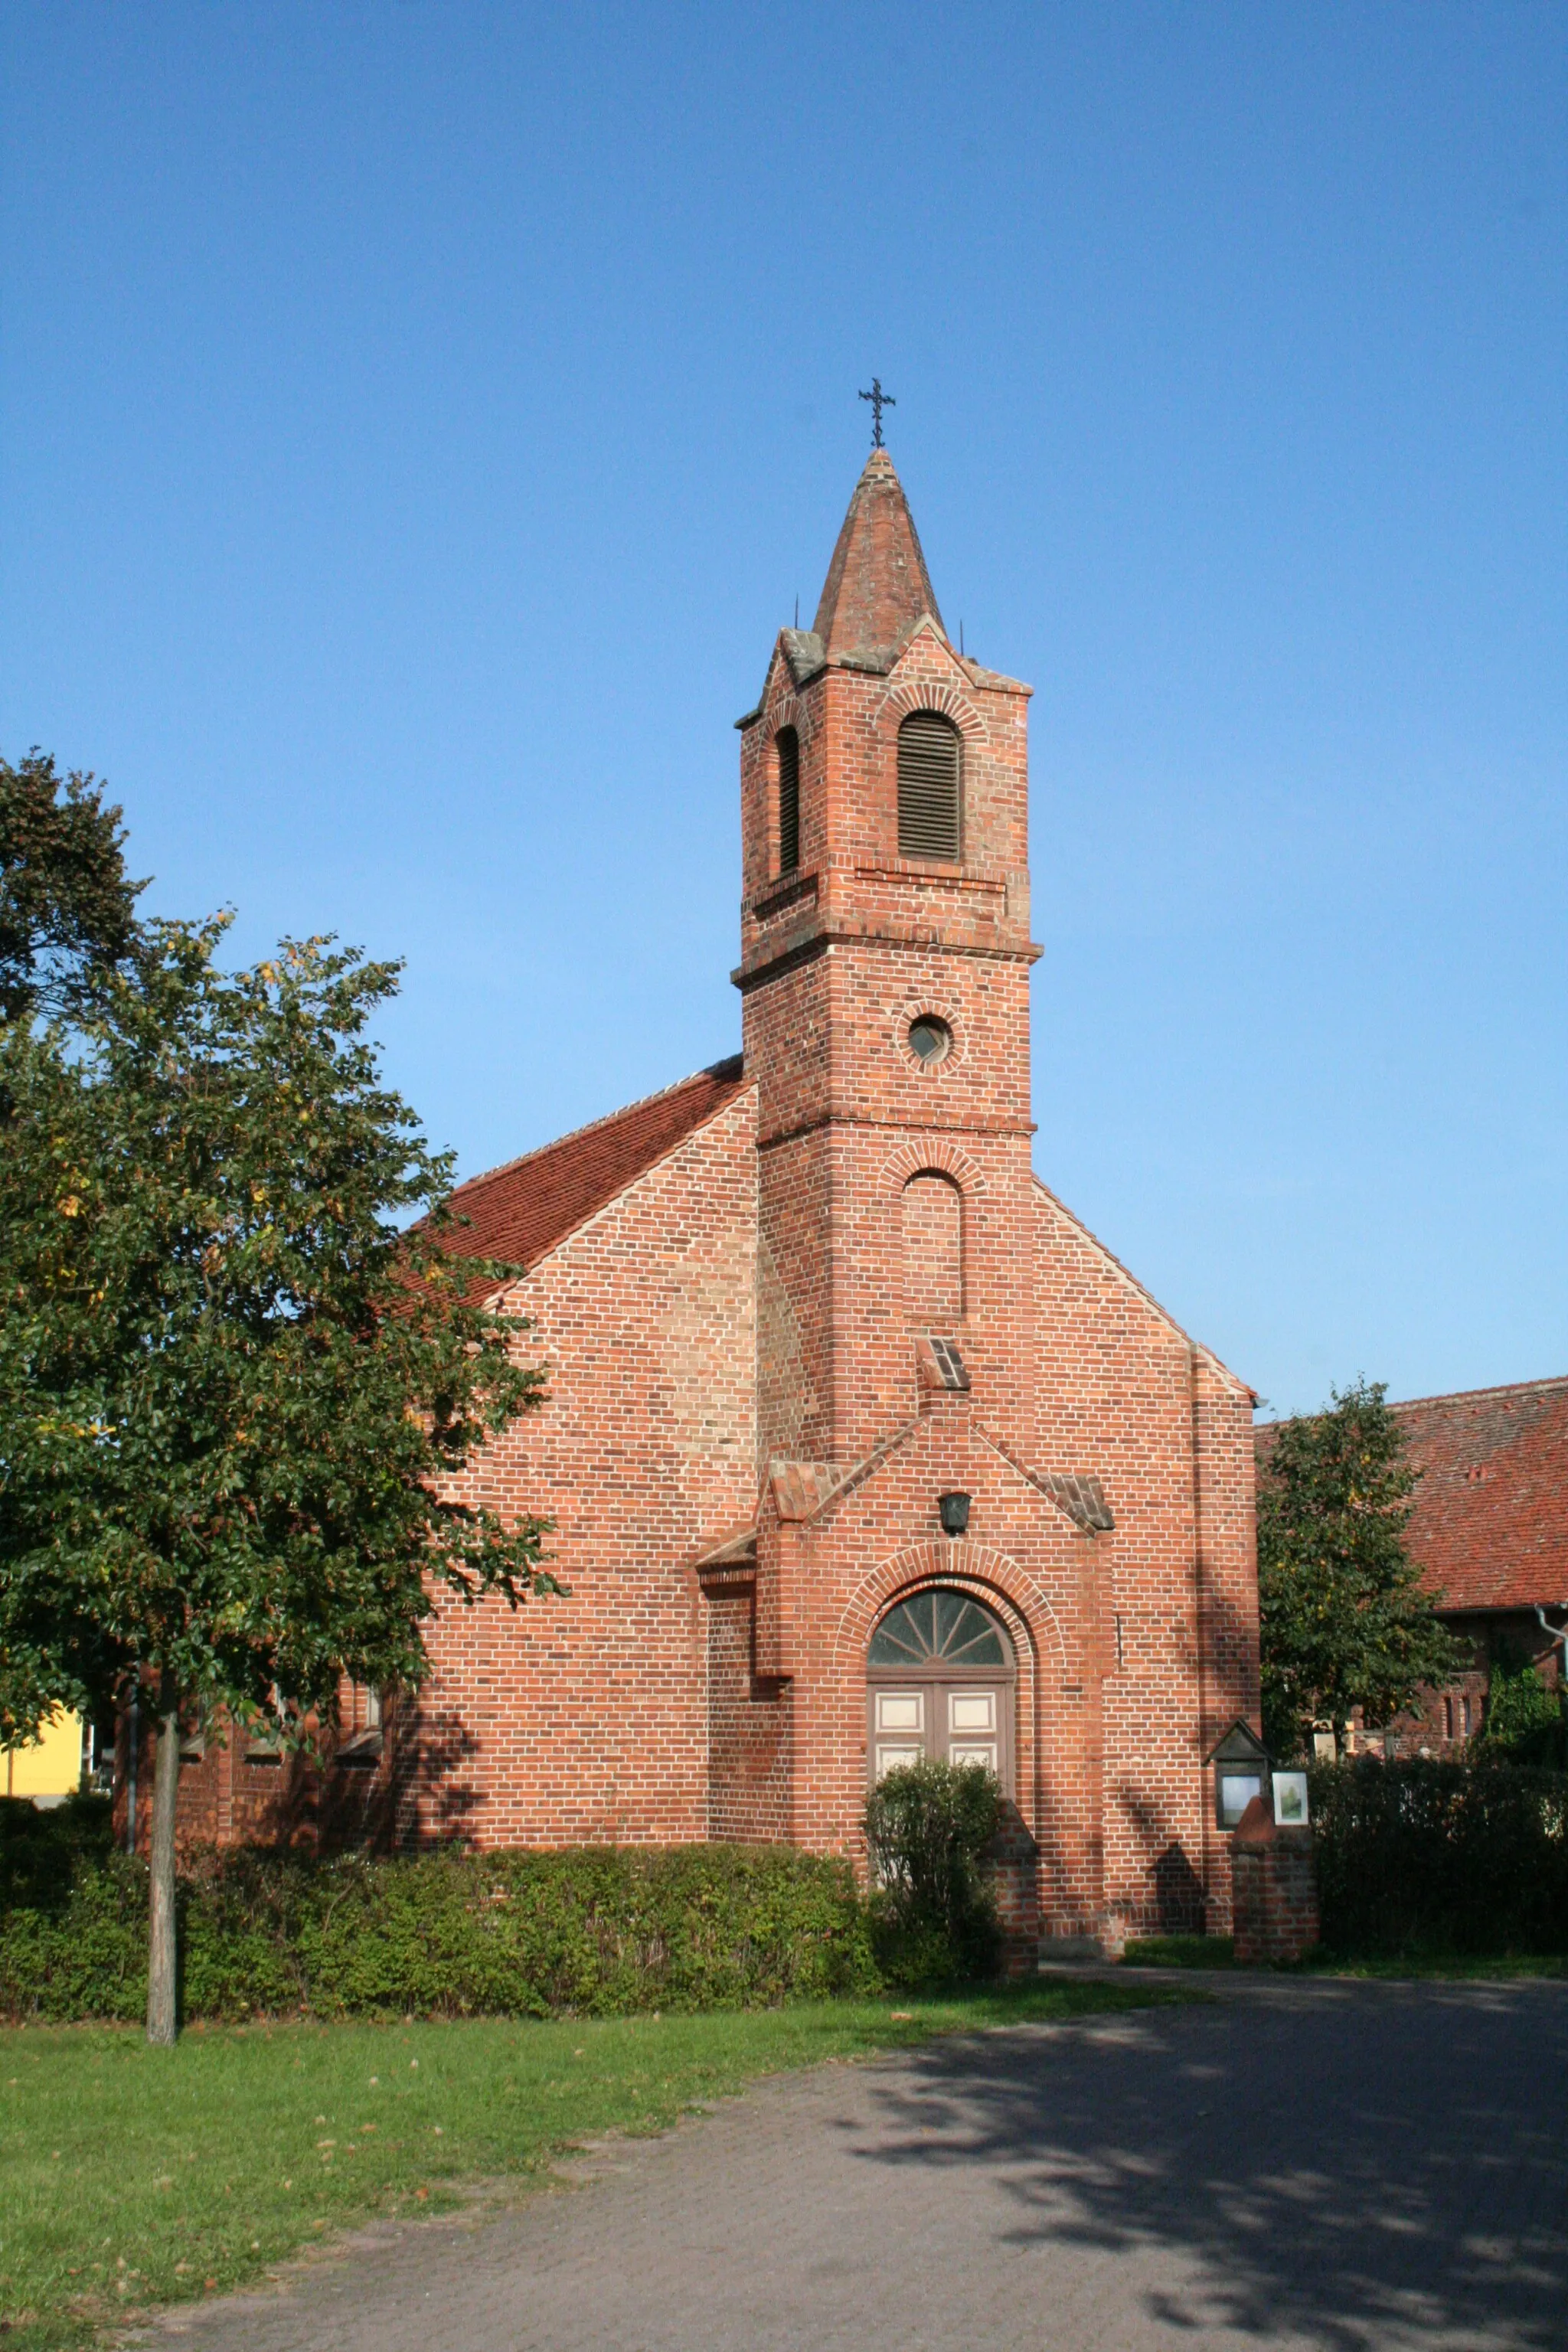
(162, 2027)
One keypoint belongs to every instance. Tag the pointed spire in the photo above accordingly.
(878, 586)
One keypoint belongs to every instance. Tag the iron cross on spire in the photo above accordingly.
(879, 400)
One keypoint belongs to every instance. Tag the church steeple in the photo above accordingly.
(878, 586)
(885, 956)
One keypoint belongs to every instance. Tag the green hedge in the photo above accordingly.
(1430, 1856)
(595, 1931)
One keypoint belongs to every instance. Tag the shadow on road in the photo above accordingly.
(1360, 2168)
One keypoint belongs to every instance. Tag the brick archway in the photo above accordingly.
(934, 1152)
(788, 710)
(995, 1580)
(999, 1584)
(928, 694)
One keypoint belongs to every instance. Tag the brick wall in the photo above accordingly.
(584, 1719)
(749, 1723)
(233, 1791)
(1275, 1889)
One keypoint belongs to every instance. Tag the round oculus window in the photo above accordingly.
(931, 1039)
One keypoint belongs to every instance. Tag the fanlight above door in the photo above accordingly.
(945, 1630)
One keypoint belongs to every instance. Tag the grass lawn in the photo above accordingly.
(1179, 1952)
(130, 2177)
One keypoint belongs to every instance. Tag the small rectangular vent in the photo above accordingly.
(928, 787)
(940, 1365)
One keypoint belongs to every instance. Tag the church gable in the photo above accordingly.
(583, 1717)
(811, 1492)
(645, 1316)
(925, 670)
(1010, 1509)
(528, 1207)
(1076, 1270)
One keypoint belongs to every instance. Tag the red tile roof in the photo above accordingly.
(521, 1211)
(1490, 1528)
(1491, 1512)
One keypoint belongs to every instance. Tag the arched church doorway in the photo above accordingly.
(940, 1676)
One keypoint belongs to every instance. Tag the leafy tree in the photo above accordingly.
(66, 906)
(1523, 1714)
(1345, 1621)
(236, 1387)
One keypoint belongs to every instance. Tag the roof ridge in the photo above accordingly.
(1469, 1396)
(1447, 1396)
(729, 1067)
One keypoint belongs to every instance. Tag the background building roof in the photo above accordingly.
(1491, 1511)
(1490, 1524)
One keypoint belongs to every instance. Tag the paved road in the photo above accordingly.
(1335, 2166)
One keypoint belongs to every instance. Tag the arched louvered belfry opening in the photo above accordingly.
(786, 750)
(941, 1681)
(931, 787)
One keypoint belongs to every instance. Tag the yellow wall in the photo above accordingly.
(52, 1769)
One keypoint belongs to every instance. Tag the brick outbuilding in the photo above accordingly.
(858, 1444)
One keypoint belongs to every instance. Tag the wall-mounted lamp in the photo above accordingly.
(955, 1509)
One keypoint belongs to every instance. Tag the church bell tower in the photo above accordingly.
(885, 971)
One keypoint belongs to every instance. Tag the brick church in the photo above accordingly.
(858, 1446)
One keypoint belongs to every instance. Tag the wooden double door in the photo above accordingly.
(940, 1683)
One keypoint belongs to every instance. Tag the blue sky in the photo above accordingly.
(415, 421)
